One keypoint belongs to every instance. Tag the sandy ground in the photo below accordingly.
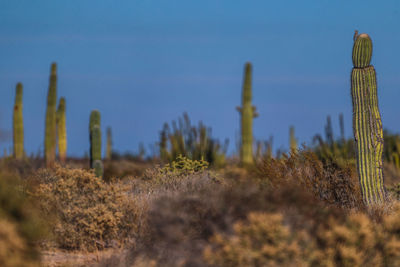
(59, 258)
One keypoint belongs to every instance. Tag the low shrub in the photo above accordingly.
(88, 213)
(180, 223)
(180, 175)
(263, 240)
(328, 181)
(20, 224)
(183, 166)
(266, 239)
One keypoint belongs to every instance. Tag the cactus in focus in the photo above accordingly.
(50, 140)
(95, 143)
(18, 124)
(292, 140)
(109, 144)
(62, 130)
(247, 112)
(367, 124)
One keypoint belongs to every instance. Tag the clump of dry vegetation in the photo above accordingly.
(293, 211)
(88, 213)
(327, 180)
(20, 224)
(263, 240)
(269, 239)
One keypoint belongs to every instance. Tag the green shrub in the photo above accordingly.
(184, 166)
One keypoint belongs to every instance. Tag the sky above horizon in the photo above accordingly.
(145, 62)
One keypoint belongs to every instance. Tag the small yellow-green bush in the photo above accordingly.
(87, 212)
(184, 166)
(180, 175)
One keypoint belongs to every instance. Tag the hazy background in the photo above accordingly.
(144, 62)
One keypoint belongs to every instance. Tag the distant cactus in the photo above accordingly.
(396, 159)
(340, 150)
(367, 124)
(18, 124)
(193, 142)
(341, 125)
(62, 130)
(109, 144)
(292, 140)
(95, 143)
(50, 140)
(163, 145)
(248, 112)
(264, 149)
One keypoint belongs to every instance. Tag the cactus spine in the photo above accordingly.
(18, 124)
(50, 140)
(109, 144)
(248, 112)
(367, 124)
(95, 143)
(62, 130)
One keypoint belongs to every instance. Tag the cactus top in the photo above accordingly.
(362, 51)
(94, 119)
(61, 105)
(54, 69)
(18, 95)
(247, 83)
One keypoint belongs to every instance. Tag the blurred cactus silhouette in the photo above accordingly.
(50, 140)
(192, 142)
(392, 148)
(247, 112)
(62, 130)
(367, 124)
(164, 154)
(330, 150)
(18, 124)
(341, 125)
(95, 143)
(109, 144)
(264, 149)
(292, 140)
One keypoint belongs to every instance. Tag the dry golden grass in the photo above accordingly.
(293, 211)
(86, 212)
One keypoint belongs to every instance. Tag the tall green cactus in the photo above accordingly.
(18, 124)
(248, 112)
(367, 124)
(109, 144)
(50, 140)
(62, 130)
(292, 140)
(95, 143)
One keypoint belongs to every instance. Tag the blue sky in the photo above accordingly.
(144, 62)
